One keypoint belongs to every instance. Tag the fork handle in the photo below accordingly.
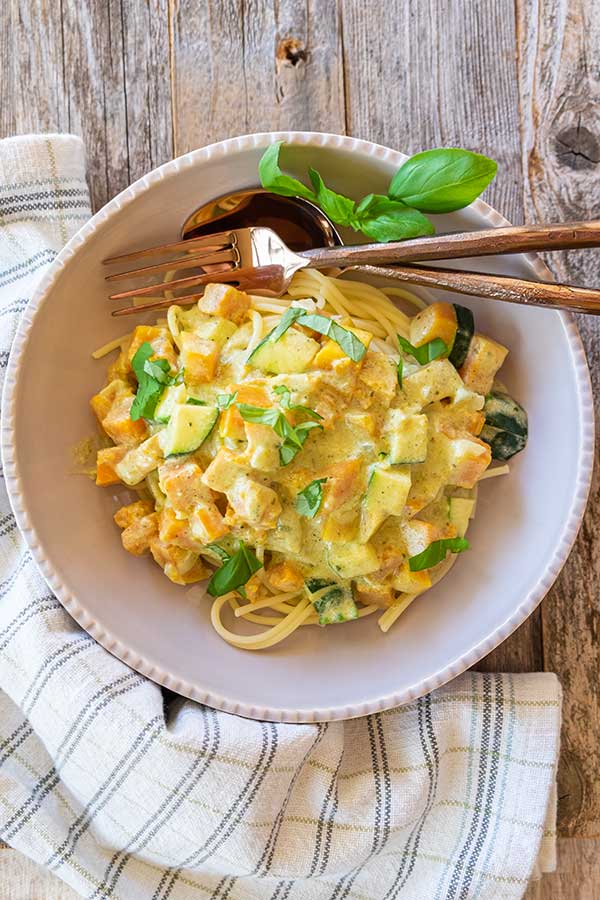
(491, 241)
(495, 287)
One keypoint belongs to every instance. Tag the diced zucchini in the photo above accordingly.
(293, 352)
(438, 320)
(171, 396)
(352, 559)
(406, 436)
(464, 332)
(459, 510)
(188, 428)
(286, 537)
(139, 461)
(386, 496)
(334, 605)
(216, 329)
(436, 380)
(506, 427)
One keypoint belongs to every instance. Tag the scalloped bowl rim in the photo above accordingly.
(163, 677)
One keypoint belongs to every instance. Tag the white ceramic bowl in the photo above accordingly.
(525, 523)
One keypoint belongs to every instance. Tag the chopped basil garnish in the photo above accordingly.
(348, 341)
(308, 500)
(224, 401)
(153, 376)
(285, 395)
(235, 572)
(219, 551)
(436, 552)
(399, 368)
(287, 319)
(191, 401)
(293, 436)
(425, 354)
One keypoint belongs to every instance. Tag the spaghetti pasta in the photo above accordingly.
(332, 412)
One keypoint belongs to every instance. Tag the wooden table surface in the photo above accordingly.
(145, 80)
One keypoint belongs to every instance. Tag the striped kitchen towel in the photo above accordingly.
(447, 798)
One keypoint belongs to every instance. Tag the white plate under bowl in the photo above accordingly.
(525, 523)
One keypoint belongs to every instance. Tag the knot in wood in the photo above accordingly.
(290, 52)
(577, 147)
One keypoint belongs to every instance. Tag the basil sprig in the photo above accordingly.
(293, 436)
(436, 552)
(348, 341)
(235, 572)
(224, 401)
(435, 181)
(152, 376)
(309, 499)
(423, 355)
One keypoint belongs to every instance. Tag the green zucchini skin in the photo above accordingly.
(337, 605)
(506, 427)
(464, 333)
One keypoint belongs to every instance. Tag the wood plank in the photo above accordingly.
(577, 875)
(558, 50)
(431, 81)
(240, 67)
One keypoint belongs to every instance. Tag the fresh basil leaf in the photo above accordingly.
(191, 401)
(293, 436)
(340, 209)
(436, 552)
(399, 369)
(287, 319)
(309, 499)
(259, 414)
(149, 388)
(273, 179)
(234, 573)
(285, 395)
(159, 370)
(224, 401)
(219, 551)
(425, 354)
(348, 341)
(163, 420)
(291, 447)
(442, 180)
(383, 219)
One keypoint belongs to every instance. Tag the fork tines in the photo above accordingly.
(208, 254)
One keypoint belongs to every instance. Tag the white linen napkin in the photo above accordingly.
(447, 798)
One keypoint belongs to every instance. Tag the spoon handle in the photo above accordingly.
(491, 241)
(495, 287)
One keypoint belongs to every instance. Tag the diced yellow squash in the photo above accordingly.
(364, 420)
(177, 562)
(216, 329)
(435, 321)
(224, 470)
(342, 483)
(407, 437)
(331, 350)
(374, 593)
(231, 424)
(349, 560)
(253, 503)
(119, 425)
(138, 536)
(133, 511)
(226, 301)
(483, 360)
(208, 524)
(286, 537)
(285, 577)
(418, 535)
(159, 337)
(435, 381)
(411, 582)
(262, 451)
(139, 461)
(199, 358)
(340, 526)
(102, 401)
(106, 461)
(470, 457)
(378, 374)
(121, 366)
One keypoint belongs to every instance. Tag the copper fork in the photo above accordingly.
(255, 259)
